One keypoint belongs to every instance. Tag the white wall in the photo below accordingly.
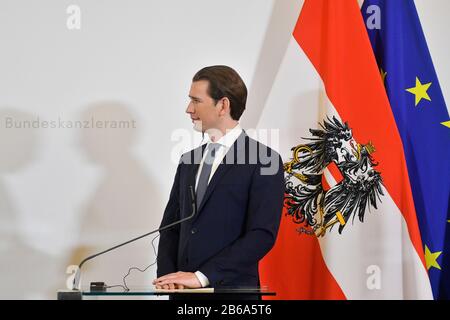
(67, 192)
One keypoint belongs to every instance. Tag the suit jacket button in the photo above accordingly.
(194, 231)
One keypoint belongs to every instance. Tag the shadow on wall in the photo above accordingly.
(25, 272)
(276, 41)
(126, 203)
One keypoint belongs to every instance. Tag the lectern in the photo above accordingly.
(209, 293)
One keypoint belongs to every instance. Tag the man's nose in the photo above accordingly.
(190, 108)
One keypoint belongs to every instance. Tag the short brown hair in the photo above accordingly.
(225, 82)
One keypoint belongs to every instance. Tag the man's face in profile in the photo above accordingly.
(202, 108)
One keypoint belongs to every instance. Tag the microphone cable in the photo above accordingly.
(124, 286)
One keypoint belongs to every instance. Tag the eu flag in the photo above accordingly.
(423, 122)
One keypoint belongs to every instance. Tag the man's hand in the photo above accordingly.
(177, 280)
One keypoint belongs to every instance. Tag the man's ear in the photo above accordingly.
(225, 106)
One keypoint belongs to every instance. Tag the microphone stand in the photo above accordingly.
(76, 280)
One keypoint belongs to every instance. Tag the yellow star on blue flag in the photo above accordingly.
(431, 258)
(420, 91)
(383, 74)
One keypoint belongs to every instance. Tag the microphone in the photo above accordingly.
(76, 280)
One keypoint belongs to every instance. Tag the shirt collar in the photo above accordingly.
(230, 137)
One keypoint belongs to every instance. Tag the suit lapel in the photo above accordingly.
(224, 167)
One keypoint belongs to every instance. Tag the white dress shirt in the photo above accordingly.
(225, 143)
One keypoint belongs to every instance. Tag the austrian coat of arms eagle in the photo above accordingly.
(316, 209)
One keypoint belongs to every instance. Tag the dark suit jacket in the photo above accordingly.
(237, 222)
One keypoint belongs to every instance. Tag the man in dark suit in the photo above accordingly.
(239, 187)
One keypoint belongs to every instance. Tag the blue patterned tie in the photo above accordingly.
(206, 171)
